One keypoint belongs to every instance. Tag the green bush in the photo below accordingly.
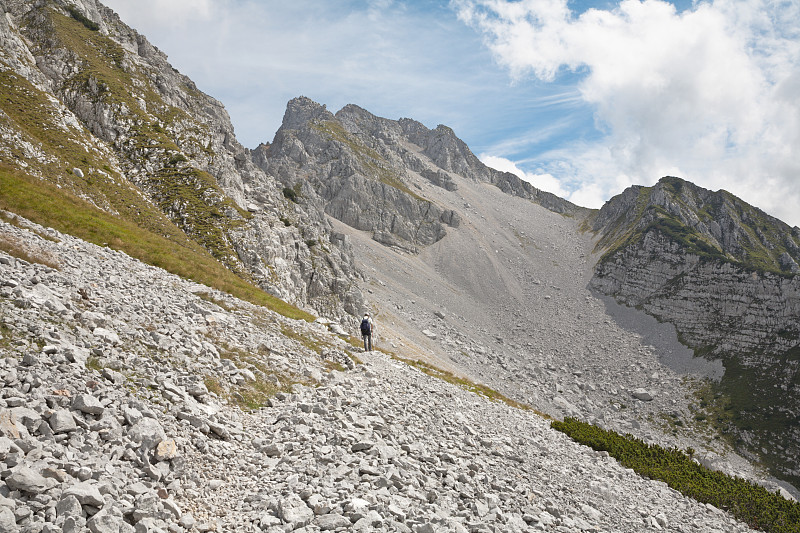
(745, 500)
(290, 194)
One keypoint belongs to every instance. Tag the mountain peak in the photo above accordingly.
(302, 110)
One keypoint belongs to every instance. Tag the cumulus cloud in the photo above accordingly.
(709, 94)
(543, 181)
(172, 15)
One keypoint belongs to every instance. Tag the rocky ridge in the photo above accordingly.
(114, 418)
(738, 264)
(368, 171)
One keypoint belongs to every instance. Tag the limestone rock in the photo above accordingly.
(86, 493)
(643, 395)
(86, 403)
(8, 521)
(27, 480)
(62, 421)
(294, 511)
(148, 432)
(166, 450)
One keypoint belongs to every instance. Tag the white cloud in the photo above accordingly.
(543, 181)
(709, 94)
(169, 14)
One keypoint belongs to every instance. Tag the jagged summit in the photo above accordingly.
(706, 223)
(302, 110)
(369, 171)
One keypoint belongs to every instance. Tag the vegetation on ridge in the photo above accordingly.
(754, 242)
(465, 383)
(745, 500)
(97, 202)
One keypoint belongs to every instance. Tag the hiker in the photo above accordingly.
(366, 332)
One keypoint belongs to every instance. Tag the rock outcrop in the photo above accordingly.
(720, 270)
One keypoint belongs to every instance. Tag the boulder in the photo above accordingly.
(62, 421)
(166, 450)
(147, 432)
(106, 335)
(8, 522)
(86, 493)
(294, 511)
(643, 395)
(28, 480)
(86, 403)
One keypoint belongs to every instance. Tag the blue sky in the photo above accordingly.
(581, 98)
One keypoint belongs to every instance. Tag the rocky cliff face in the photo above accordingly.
(365, 171)
(721, 270)
(724, 273)
(151, 131)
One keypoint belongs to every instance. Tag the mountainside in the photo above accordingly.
(92, 107)
(279, 421)
(126, 407)
(725, 274)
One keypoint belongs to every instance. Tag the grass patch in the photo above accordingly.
(6, 335)
(330, 366)
(12, 246)
(310, 342)
(745, 500)
(196, 203)
(206, 296)
(214, 385)
(466, 384)
(50, 206)
(94, 363)
(252, 394)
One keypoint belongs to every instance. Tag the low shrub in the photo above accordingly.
(748, 502)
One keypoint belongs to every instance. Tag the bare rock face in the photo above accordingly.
(342, 165)
(720, 270)
(365, 171)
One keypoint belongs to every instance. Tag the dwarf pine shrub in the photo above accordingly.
(748, 502)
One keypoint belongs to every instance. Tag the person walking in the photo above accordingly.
(366, 332)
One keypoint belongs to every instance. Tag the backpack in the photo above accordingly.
(366, 327)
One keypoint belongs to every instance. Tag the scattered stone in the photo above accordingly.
(643, 395)
(27, 480)
(148, 432)
(166, 450)
(62, 421)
